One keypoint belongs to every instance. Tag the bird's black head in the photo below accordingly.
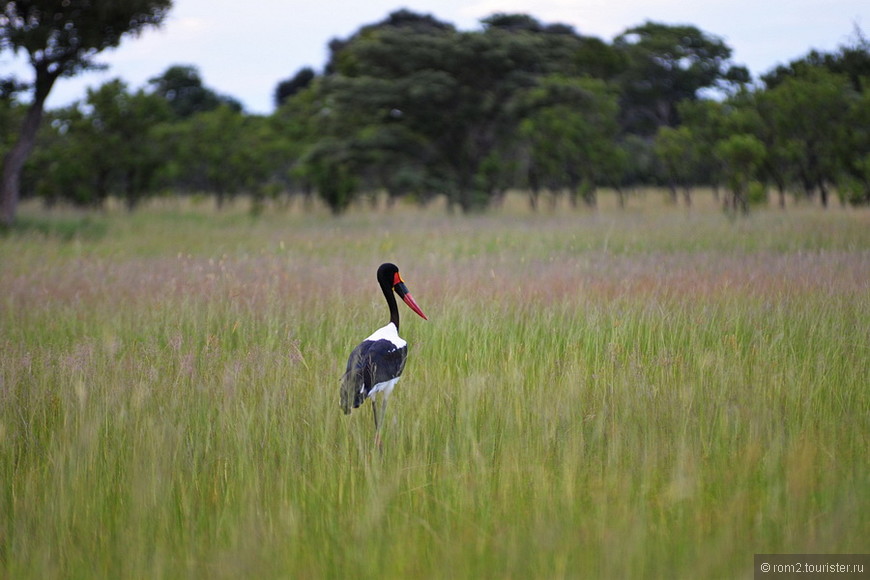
(389, 278)
(387, 274)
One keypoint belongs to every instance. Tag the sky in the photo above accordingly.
(243, 49)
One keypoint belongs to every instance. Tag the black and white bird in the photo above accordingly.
(377, 363)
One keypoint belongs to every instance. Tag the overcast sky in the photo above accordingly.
(245, 48)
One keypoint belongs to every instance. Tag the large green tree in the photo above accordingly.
(61, 38)
(568, 137)
(387, 96)
(667, 65)
(708, 122)
(677, 156)
(217, 152)
(454, 94)
(808, 116)
(123, 123)
(815, 121)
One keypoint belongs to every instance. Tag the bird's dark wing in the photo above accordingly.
(385, 361)
(370, 363)
(352, 383)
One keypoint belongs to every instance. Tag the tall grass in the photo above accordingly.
(639, 394)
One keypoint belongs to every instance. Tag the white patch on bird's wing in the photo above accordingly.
(385, 387)
(390, 333)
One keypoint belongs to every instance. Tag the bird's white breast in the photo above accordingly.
(390, 333)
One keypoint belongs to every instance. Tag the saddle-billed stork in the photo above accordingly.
(377, 363)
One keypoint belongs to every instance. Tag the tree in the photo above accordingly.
(454, 94)
(808, 115)
(384, 102)
(667, 65)
(297, 124)
(293, 85)
(742, 155)
(182, 87)
(213, 152)
(814, 112)
(707, 121)
(61, 166)
(757, 111)
(676, 151)
(598, 59)
(333, 168)
(122, 125)
(855, 150)
(851, 60)
(102, 146)
(569, 134)
(61, 39)
(11, 113)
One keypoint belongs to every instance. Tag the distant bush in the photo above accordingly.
(65, 229)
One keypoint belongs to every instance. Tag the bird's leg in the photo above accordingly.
(382, 414)
(377, 423)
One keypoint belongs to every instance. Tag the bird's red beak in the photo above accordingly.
(413, 305)
(402, 291)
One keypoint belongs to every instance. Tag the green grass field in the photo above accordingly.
(649, 393)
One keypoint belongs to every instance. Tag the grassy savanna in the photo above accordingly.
(624, 394)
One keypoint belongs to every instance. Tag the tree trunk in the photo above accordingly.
(573, 194)
(534, 190)
(533, 198)
(13, 162)
(672, 190)
(620, 197)
(588, 190)
(687, 195)
(824, 193)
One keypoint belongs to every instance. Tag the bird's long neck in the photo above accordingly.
(391, 302)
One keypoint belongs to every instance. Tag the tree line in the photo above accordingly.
(415, 108)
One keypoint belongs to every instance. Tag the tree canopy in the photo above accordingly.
(666, 65)
(61, 39)
(413, 107)
(182, 88)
